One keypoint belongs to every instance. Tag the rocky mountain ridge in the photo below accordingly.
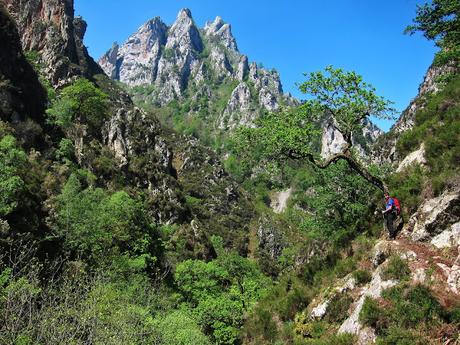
(183, 61)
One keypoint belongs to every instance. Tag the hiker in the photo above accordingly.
(390, 214)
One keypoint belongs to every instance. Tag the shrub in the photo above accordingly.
(80, 103)
(178, 327)
(412, 305)
(12, 159)
(345, 266)
(362, 277)
(396, 269)
(334, 339)
(97, 225)
(370, 313)
(338, 307)
(400, 336)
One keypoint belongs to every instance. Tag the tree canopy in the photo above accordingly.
(438, 20)
(292, 132)
(81, 102)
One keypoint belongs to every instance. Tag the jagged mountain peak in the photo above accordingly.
(222, 32)
(153, 25)
(184, 13)
(182, 56)
(183, 34)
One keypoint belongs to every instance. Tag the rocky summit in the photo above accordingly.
(182, 62)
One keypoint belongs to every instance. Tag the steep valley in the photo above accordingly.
(161, 196)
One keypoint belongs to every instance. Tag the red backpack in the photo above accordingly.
(397, 205)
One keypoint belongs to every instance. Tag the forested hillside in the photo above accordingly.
(173, 194)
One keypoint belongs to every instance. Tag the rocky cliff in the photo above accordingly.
(21, 94)
(182, 62)
(384, 150)
(51, 28)
(332, 140)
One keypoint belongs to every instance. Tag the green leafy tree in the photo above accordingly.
(439, 21)
(178, 327)
(339, 201)
(291, 133)
(80, 109)
(99, 226)
(12, 159)
(220, 292)
(82, 102)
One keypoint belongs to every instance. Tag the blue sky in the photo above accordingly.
(293, 36)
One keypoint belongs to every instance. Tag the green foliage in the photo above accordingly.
(437, 125)
(197, 279)
(346, 96)
(81, 308)
(400, 336)
(337, 308)
(179, 328)
(407, 186)
(439, 21)
(292, 134)
(396, 269)
(338, 200)
(219, 292)
(97, 225)
(82, 103)
(66, 150)
(221, 317)
(277, 134)
(370, 313)
(12, 160)
(408, 310)
(412, 305)
(362, 277)
(284, 302)
(309, 329)
(334, 339)
(168, 53)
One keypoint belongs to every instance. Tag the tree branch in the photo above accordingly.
(346, 156)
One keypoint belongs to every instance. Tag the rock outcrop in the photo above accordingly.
(139, 53)
(21, 94)
(50, 28)
(437, 220)
(270, 238)
(332, 140)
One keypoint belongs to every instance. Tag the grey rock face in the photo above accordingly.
(220, 63)
(332, 141)
(108, 62)
(436, 220)
(49, 27)
(183, 45)
(238, 109)
(136, 62)
(21, 94)
(242, 69)
(221, 33)
(270, 239)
